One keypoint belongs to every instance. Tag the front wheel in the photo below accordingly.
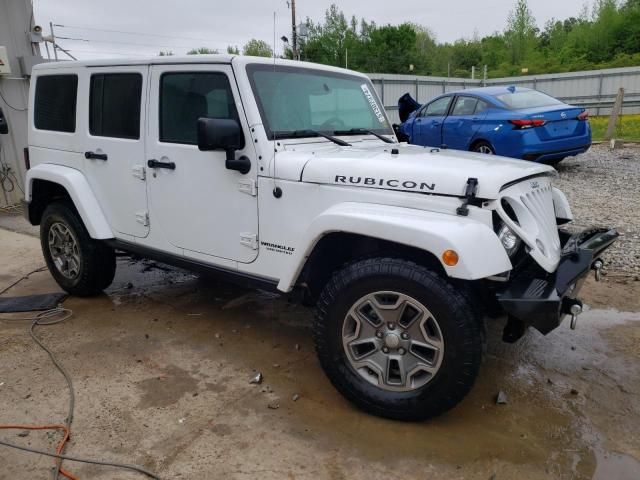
(80, 265)
(396, 339)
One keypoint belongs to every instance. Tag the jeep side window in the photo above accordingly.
(114, 105)
(437, 108)
(55, 103)
(187, 96)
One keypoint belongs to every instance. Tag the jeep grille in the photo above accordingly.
(531, 202)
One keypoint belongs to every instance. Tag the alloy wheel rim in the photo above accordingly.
(485, 149)
(64, 250)
(392, 341)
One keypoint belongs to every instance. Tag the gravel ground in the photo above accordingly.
(603, 188)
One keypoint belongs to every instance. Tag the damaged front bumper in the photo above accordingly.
(543, 300)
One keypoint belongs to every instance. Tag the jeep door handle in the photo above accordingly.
(153, 163)
(95, 156)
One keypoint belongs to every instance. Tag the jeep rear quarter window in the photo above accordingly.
(114, 105)
(187, 96)
(55, 103)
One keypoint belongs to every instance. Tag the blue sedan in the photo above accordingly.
(508, 121)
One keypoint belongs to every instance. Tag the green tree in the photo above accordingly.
(257, 48)
(521, 32)
(233, 50)
(165, 53)
(202, 51)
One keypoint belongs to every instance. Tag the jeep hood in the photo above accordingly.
(415, 169)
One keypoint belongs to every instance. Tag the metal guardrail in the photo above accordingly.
(596, 96)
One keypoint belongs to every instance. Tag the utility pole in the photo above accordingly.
(294, 33)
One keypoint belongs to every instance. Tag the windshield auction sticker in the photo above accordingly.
(374, 105)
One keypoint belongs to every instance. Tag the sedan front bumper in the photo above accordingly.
(542, 301)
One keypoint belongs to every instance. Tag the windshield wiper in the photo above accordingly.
(363, 131)
(311, 133)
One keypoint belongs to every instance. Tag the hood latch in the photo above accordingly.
(469, 194)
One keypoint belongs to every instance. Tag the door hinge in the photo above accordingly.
(139, 172)
(250, 240)
(143, 218)
(248, 186)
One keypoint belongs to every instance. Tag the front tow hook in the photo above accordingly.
(575, 310)
(597, 267)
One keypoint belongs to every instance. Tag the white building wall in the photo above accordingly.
(16, 21)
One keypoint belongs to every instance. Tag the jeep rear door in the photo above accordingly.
(196, 203)
(112, 113)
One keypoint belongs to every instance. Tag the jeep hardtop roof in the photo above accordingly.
(236, 60)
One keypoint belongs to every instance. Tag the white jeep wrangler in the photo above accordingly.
(288, 176)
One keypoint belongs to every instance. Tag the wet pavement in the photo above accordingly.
(162, 364)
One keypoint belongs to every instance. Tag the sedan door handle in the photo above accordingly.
(95, 156)
(157, 164)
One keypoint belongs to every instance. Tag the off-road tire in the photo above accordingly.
(460, 328)
(97, 260)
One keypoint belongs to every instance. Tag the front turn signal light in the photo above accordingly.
(450, 258)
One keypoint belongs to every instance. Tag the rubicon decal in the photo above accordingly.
(385, 183)
(274, 247)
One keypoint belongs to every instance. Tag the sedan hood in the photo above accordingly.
(416, 169)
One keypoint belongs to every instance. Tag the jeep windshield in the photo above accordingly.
(299, 102)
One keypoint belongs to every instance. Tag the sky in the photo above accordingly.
(179, 25)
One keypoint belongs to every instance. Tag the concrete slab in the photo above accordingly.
(162, 363)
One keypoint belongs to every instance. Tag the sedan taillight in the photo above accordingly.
(584, 115)
(522, 124)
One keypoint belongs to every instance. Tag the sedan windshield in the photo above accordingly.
(527, 99)
(293, 100)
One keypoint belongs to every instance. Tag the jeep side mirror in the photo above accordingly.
(4, 127)
(223, 134)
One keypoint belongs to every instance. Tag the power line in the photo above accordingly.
(115, 42)
(135, 33)
(108, 53)
(122, 43)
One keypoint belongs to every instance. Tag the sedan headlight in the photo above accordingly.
(510, 241)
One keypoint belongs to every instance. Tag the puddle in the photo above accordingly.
(616, 466)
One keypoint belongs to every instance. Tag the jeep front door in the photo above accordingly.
(198, 205)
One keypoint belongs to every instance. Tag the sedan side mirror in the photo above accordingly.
(4, 127)
(223, 134)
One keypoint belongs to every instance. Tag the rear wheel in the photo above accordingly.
(555, 162)
(483, 147)
(396, 339)
(80, 265)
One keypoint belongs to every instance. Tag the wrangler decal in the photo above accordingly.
(374, 105)
(274, 247)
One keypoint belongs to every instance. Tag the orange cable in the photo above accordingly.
(69, 475)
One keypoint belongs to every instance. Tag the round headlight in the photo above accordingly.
(510, 241)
